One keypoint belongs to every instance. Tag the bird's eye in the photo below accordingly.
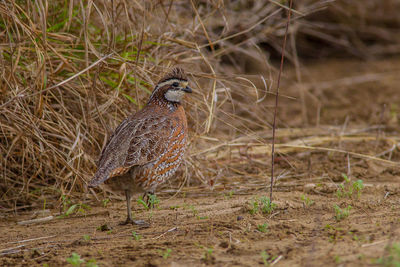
(175, 84)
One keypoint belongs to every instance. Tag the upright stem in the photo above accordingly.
(276, 101)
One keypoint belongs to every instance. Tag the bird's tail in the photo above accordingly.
(97, 179)
(103, 174)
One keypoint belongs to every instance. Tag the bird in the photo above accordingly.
(147, 148)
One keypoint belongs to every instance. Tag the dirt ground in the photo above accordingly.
(200, 226)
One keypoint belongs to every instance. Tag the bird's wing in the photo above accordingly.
(136, 141)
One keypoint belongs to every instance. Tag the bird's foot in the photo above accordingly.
(133, 222)
(127, 221)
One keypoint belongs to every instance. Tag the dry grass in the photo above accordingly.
(73, 70)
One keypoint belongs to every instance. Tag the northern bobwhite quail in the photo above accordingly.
(147, 147)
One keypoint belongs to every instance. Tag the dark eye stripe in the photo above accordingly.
(175, 84)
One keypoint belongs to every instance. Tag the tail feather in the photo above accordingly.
(103, 174)
(97, 179)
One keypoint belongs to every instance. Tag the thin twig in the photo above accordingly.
(374, 243)
(11, 250)
(31, 239)
(16, 250)
(139, 50)
(202, 26)
(280, 256)
(170, 230)
(276, 102)
(40, 220)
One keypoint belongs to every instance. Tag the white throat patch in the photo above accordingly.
(174, 95)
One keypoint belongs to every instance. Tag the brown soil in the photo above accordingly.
(201, 226)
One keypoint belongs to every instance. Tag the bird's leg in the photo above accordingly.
(129, 219)
(128, 206)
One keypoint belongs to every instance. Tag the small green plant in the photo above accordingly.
(346, 178)
(263, 228)
(357, 187)
(195, 212)
(306, 200)
(267, 206)
(392, 256)
(143, 203)
(229, 195)
(348, 188)
(65, 202)
(192, 208)
(354, 236)
(208, 254)
(341, 214)
(262, 204)
(254, 207)
(69, 208)
(341, 191)
(79, 209)
(136, 236)
(167, 253)
(86, 238)
(105, 202)
(152, 202)
(75, 259)
(266, 258)
(91, 263)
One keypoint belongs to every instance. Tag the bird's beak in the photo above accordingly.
(187, 89)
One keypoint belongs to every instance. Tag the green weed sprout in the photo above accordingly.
(152, 202)
(306, 200)
(347, 189)
(105, 202)
(263, 228)
(69, 208)
(167, 253)
(341, 214)
(208, 254)
(266, 258)
(86, 237)
(254, 207)
(91, 263)
(392, 257)
(262, 204)
(136, 236)
(357, 187)
(267, 206)
(75, 259)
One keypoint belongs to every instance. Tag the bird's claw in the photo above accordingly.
(134, 222)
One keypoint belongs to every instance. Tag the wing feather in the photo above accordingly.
(136, 141)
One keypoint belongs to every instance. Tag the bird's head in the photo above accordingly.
(172, 87)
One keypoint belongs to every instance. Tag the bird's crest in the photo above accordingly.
(175, 73)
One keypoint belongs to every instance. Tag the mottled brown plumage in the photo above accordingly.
(147, 147)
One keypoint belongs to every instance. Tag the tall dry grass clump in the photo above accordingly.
(72, 70)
